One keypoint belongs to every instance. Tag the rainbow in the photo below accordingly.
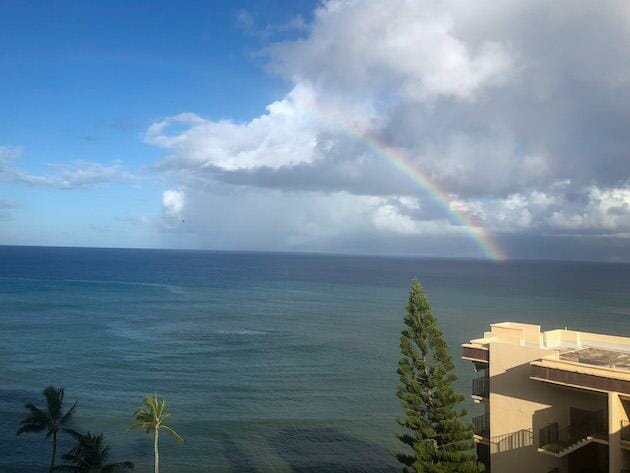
(482, 237)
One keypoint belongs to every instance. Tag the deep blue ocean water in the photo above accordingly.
(270, 362)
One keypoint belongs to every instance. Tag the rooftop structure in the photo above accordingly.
(556, 401)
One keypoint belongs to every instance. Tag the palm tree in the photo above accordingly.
(52, 419)
(151, 419)
(90, 455)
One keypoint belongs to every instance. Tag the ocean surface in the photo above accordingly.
(270, 362)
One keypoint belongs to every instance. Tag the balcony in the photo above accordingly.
(512, 441)
(481, 387)
(558, 372)
(562, 441)
(475, 353)
(481, 425)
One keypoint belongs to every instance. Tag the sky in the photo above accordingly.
(428, 128)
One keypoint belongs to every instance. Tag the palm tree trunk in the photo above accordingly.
(54, 452)
(156, 452)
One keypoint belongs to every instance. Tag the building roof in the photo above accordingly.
(568, 350)
(599, 357)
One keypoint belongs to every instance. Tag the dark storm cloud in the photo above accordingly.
(520, 111)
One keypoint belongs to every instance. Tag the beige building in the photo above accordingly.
(554, 402)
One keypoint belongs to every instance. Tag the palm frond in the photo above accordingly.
(37, 416)
(54, 401)
(178, 438)
(36, 411)
(116, 467)
(73, 433)
(68, 415)
(74, 468)
(30, 427)
(143, 421)
(90, 455)
(153, 417)
(49, 418)
(74, 457)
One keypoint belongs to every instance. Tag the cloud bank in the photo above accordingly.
(519, 111)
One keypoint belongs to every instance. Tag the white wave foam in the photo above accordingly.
(171, 288)
(244, 332)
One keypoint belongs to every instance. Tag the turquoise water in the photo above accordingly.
(271, 362)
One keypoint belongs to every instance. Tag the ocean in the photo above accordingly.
(270, 362)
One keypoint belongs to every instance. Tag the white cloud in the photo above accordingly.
(72, 175)
(270, 219)
(514, 212)
(173, 203)
(517, 110)
(5, 210)
(6, 205)
(606, 209)
(246, 21)
(389, 219)
(9, 152)
(286, 135)
(410, 47)
(76, 175)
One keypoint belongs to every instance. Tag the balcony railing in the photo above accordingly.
(512, 441)
(625, 430)
(555, 439)
(481, 386)
(481, 425)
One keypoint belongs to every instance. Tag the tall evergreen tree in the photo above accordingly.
(438, 439)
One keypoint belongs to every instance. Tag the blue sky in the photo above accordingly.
(217, 125)
(82, 80)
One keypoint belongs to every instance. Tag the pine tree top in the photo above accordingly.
(435, 435)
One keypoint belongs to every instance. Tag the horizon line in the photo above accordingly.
(326, 253)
